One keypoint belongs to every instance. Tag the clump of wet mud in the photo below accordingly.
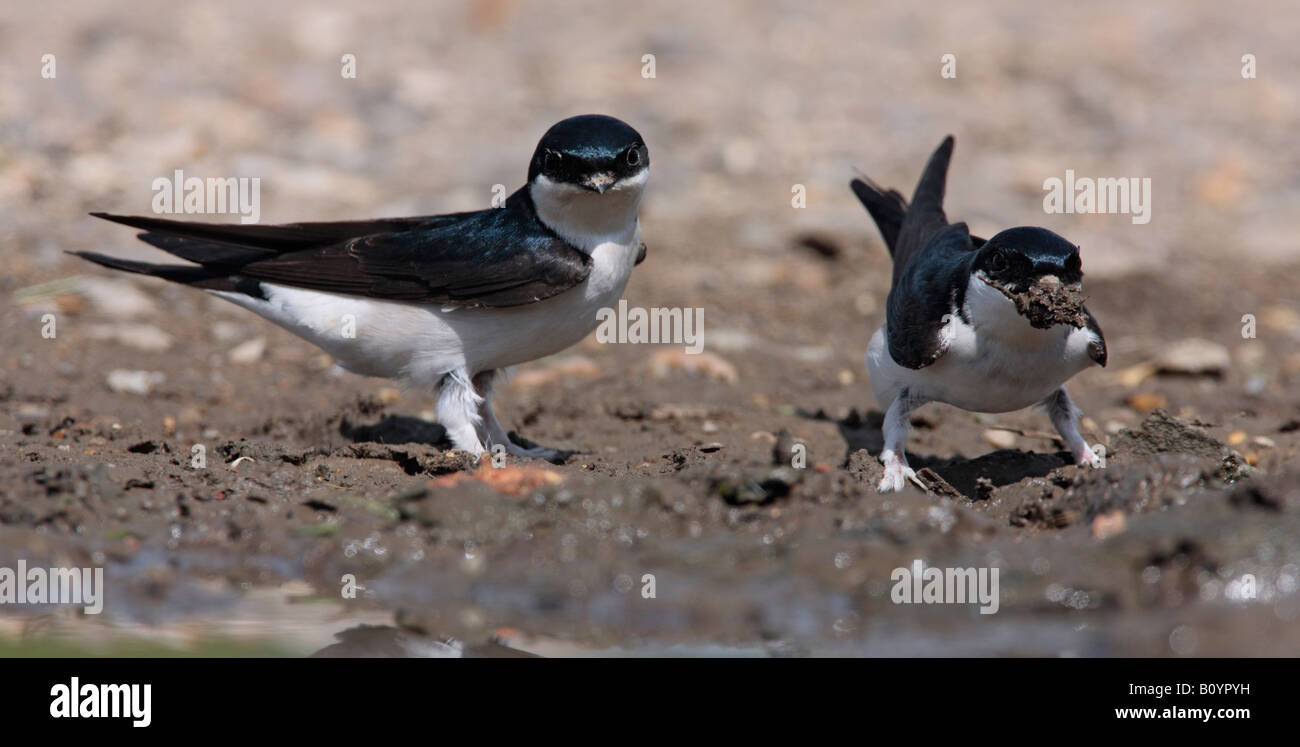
(1048, 302)
(1162, 433)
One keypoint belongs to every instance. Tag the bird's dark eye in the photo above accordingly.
(634, 156)
(998, 261)
(551, 159)
(1074, 264)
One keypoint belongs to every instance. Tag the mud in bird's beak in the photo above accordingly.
(1048, 302)
(1053, 285)
(599, 182)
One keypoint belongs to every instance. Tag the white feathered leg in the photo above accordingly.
(1065, 416)
(458, 411)
(894, 456)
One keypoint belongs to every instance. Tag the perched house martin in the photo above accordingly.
(441, 301)
(989, 326)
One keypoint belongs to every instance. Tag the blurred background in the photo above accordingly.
(748, 99)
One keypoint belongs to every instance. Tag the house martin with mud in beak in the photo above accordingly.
(440, 301)
(988, 326)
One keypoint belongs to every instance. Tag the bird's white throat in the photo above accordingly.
(588, 219)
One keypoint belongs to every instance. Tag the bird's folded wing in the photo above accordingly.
(493, 258)
(1096, 348)
(930, 288)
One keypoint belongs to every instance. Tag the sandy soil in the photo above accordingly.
(676, 475)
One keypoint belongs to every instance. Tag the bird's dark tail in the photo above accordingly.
(887, 208)
(895, 217)
(198, 277)
(221, 250)
(906, 227)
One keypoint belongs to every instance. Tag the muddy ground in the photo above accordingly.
(677, 479)
(684, 468)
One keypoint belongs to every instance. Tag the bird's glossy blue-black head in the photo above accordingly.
(593, 152)
(1017, 257)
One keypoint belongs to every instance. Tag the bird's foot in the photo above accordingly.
(1084, 456)
(518, 446)
(897, 474)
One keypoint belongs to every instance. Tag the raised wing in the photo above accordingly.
(925, 216)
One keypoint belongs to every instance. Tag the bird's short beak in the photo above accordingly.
(1053, 284)
(600, 182)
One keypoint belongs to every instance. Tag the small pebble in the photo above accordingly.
(1195, 357)
(134, 382)
(248, 352)
(999, 438)
(1145, 402)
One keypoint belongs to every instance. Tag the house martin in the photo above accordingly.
(442, 301)
(986, 325)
